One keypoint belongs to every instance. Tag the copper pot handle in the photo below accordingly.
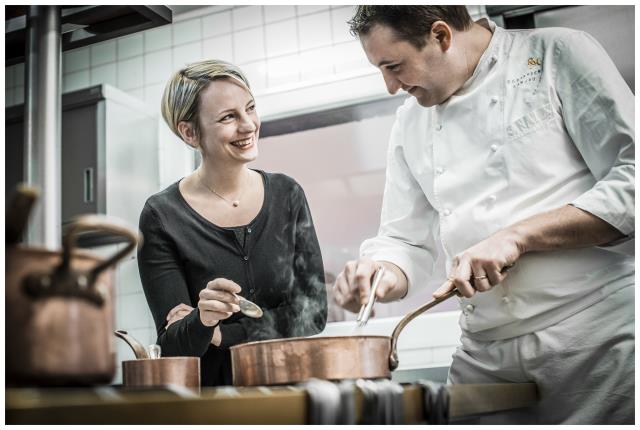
(393, 356)
(63, 281)
(105, 224)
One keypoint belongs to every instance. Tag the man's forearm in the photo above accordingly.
(564, 228)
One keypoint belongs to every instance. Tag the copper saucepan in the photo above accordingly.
(286, 361)
(59, 304)
(145, 371)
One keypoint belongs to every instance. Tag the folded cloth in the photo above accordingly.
(347, 402)
(382, 402)
(334, 403)
(436, 402)
(324, 402)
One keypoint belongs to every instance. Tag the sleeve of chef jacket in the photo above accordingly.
(165, 287)
(305, 312)
(407, 220)
(598, 112)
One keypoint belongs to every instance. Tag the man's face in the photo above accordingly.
(428, 74)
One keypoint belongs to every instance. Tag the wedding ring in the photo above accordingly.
(480, 277)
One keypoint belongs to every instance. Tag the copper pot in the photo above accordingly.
(59, 308)
(287, 361)
(148, 372)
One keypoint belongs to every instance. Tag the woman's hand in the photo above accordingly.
(177, 313)
(218, 301)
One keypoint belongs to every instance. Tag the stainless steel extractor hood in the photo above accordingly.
(83, 25)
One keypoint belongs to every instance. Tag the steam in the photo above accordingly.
(303, 286)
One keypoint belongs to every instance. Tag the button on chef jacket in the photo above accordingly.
(545, 120)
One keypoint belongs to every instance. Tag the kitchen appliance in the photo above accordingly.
(156, 372)
(108, 139)
(286, 361)
(59, 304)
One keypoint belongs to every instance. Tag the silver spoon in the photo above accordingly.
(249, 308)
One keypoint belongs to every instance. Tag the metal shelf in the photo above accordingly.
(83, 25)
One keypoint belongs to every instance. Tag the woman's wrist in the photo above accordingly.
(216, 339)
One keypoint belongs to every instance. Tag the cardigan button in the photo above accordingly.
(246, 257)
(249, 230)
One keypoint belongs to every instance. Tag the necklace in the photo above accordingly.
(234, 203)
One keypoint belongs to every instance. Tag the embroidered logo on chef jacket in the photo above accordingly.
(530, 122)
(529, 78)
(534, 61)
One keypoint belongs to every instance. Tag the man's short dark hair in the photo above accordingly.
(410, 23)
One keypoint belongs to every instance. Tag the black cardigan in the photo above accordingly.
(280, 269)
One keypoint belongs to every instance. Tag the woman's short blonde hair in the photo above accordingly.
(180, 101)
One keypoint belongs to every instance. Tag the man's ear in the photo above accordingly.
(188, 133)
(441, 31)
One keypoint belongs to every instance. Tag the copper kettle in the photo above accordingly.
(146, 371)
(60, 304)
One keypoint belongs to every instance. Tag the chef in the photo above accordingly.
(516, 150)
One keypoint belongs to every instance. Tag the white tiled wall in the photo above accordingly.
(296, 58)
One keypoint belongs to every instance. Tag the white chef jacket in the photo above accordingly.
(545, 120)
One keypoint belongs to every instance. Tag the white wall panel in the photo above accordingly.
(102, 53)
(280, 38)
(315, 30)
(216, 24)
(248, 45)
(130, 46)
(187, 31)
(278, 13)
(247, 17)
(256, 73)
(9, 76)
(185, 54)
(220, 47)
(74, 60)
(157, 38)
(283, 70)
(339, 18)
(105, 74)
(75, 80)
(157, 67)
(130, 73)
(19, 75)
(306, 10)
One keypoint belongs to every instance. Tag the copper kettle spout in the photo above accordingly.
(138, 349)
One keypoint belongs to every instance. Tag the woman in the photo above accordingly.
(225, 230)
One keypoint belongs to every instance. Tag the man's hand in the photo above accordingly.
(483, 266)
(353, 285)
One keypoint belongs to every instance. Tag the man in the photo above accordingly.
(516, 149)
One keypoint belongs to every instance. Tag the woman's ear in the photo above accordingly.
(443, 34)
(188, 133)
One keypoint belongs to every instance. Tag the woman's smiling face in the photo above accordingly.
(229, 124)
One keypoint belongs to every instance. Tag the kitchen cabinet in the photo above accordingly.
(109, 147)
